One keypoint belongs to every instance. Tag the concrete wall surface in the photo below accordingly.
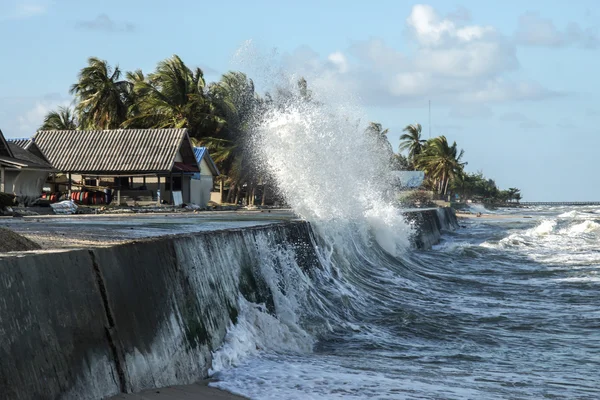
(88, 324)
(53, 329)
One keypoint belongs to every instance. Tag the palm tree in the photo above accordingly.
(102, 96)
(173, 96)
(411, 141)
(235, 98)
(376, 132)
(61, 120)
(441, 162)
(514, 194)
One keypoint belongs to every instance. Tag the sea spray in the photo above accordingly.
(314, 149)
(330, 171)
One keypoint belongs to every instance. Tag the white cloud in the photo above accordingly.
(30, 120)
(339, 60)
(23, 9)
(534, 30)
(430, 30)
(104, 23)
(449, 60)
(521, 120)
(471, 111)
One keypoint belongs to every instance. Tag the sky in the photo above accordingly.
(514, 83)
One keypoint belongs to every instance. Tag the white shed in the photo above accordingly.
(202, 183)
(22, 170)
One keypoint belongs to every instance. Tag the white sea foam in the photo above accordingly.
(544, 228)
(258, 331)
(583, 227)
(330, 172)
(569, 214)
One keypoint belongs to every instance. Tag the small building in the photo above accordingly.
(406, 180)
(203, 182)
(23, 171)
(136, 164)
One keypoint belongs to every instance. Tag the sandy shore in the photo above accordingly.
(489, 216)
(198, 391)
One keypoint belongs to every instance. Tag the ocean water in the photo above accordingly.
(501, 309)
(505, 308)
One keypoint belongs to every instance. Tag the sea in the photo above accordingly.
(501, 308)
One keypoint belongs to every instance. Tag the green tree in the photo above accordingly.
(61, 120)
(400, 163)
(378, 135)
(411, 141)
(441, 162)
(101, 95)
(174, 96)
(235, 98)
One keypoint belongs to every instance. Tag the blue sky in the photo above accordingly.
(514, 83)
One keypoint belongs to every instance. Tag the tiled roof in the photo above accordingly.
(116, 151)
(21, 142)
(31, 159)
(12, 155)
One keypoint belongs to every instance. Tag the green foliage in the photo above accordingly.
(481, 189)
(221, 116)
(416, 198)
(441, 162)
(400, 163)
(411, 141)
(60, 120)
(174, 96)
(102, 98)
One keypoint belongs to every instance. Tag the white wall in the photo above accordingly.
(200, 190)
(25, 183)
(204, 168)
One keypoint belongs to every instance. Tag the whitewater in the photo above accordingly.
(500, 309)
(503, 308)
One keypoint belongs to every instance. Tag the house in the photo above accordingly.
(136, 164)
(406, 180)
(203, 182)
(23, 172)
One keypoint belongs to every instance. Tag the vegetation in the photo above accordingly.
(62, 119)
(443, 165)
(217, 115)
(411, 141)
(221, 116)
(444, 169)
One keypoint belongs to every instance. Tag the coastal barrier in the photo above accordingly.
(92, 323)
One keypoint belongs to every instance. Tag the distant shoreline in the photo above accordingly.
(489, 216)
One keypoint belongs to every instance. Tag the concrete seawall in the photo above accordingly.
(429, 225)
(92, 323)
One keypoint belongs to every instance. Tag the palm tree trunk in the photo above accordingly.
(446, 188)
(442, 183)
(221, 184)
(264, 195)
(231, 192)
(237, 193)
